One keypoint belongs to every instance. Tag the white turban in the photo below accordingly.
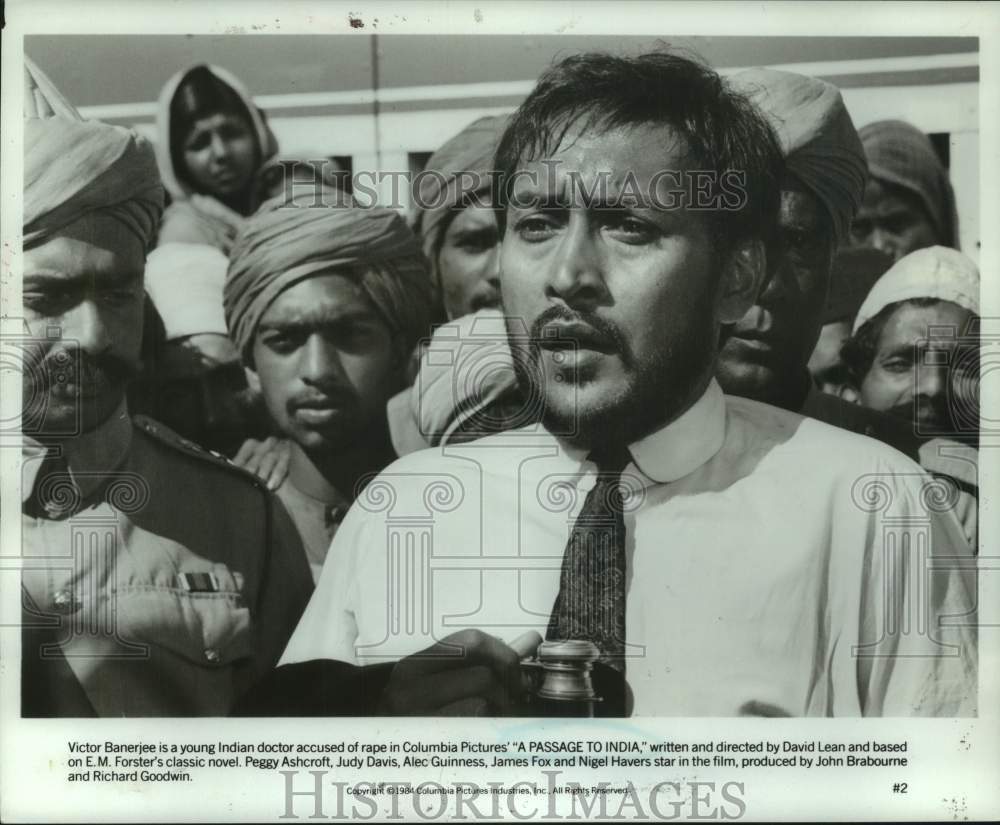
(935, 272)
(185, 282)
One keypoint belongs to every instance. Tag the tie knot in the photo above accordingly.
(610, 459)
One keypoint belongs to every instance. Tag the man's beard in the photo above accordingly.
(657, 388)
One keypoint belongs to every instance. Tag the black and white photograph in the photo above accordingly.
(496, 411)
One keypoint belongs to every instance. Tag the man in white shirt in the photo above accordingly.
(762, 563)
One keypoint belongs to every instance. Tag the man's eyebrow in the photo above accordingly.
(314, 320)
(43, 274)
(476, 231)
(899, 350)
(893, 211)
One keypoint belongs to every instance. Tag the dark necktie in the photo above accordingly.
(591, 600)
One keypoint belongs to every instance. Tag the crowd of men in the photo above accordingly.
(681, 366)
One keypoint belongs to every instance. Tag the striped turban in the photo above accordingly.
(444, 190)
(290, 240)
(821, 147)
(74, 167)
(900, 154)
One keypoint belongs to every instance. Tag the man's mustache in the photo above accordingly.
(926, 412)
(78, 367)
(338, 396)
(604, 332)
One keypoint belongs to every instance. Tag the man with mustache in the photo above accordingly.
(765, 354)
(325, 305)
(913, 354)
(158, 580)
(718, 556)
(913, 350)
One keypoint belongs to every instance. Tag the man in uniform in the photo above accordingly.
(158, 580)
(725, 557)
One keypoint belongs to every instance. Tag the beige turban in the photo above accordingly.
(285, 242)
(74, 167)
(935, 272)
(817, 137)
(443, 186)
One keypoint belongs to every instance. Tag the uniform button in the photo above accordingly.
(55, 510)
(212, 655)
(65, 602)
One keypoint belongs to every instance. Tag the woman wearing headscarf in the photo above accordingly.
(909, 203)
(213, 144)
(213, 153)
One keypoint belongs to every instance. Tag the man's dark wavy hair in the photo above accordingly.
(724, 130)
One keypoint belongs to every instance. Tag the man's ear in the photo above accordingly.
(741, 281)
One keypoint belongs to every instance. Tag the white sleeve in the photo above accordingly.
(327, 629)
(916, 654)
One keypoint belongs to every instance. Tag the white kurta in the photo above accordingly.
(776, 565)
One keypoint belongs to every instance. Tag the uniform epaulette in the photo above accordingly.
(164, 435)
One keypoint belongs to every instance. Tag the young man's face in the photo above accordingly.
(892, 220)
(923, 369)
(83, 307)
(468, 261)
(326, 361)
(622, 304)
(770, 346)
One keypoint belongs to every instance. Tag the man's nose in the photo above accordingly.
(320, 361)
(778, 285)
(932, 380)
(576, 276)
(492, 268)
(86, 326)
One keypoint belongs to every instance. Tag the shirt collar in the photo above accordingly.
(88, 456)
(681, 446)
